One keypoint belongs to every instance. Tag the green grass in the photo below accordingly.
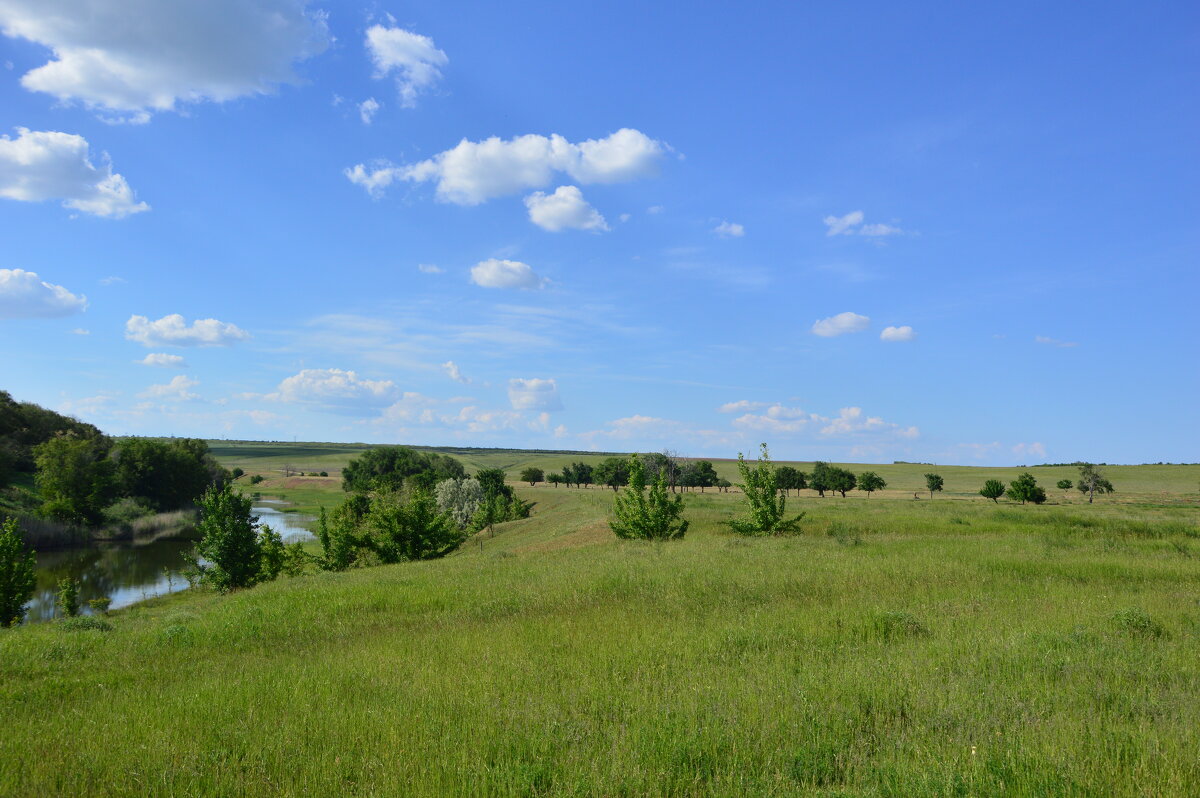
(897, 648)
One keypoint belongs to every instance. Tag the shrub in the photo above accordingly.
(1025, 489)
(68, 596)
(460, 498)
(257, 478)
(271, 554)
(17, 574)
(101, 604)
(766, 505)
(324, 473)
(401, 529)
(228, 541)
(84, 623)
(992, 489)
(644, 516)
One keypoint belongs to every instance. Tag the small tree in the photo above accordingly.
(228, 539)
(820, 479)
(841, 480)
(1065, 484)
(767, 507)
(613, 472)
(401, 530)
(17, 574)
(460, 498)
(1091, 481)
(647, 517)
(555, 479)
(337, 541)
(533, 476)
(933, 482)
(992, 489)
(786, 478)
(75, 479)
(584, 474)
(68, 597)
(1025, 489)
(870, 482)
(272, 554)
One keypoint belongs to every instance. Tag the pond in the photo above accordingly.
(130, 572)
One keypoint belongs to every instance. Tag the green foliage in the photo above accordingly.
(296, 560)
(271, 554)
(871, 482)
(388, 468)
(613, 472)
(166, 475)
(17, 574)
(767, 507)
(578, 474)
(822, 477)
(24, 426)
(491, 480)
(101, 604)
(68, 597)
(400, 529)
(1065, 484)
(257, 478)
(992, 489)
(1137, 622)
(337, 538)
(460, 499)
(555, 479)
(75, 479)
(653, 516)
(933, 482)
(83, 623)
(698, 474)
(1093, 481)
(788, 478)
(1025, 489)
(533, 475)
(237, 473)
(228, 539)
(840, 479)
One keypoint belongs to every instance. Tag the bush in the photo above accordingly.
(84, 623)
(228, 540)
(324, 473)
(271, 554)
(404, 529)
(460, 498)
(1025, 489)
(68, 596)
(1137, 622)
(17, 574)
(101, 604)
(647, 517)
(257, 478)
(767, 506)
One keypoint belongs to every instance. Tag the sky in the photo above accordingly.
(929, 231)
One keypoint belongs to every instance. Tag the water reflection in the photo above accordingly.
(127, 573)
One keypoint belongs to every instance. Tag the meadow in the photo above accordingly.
(897, 647)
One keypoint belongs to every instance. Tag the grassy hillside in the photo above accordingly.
(896, 648)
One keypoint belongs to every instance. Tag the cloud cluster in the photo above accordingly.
(334, 387)
(411, 57)
(179, 389)
(473, 172)
(162, 360)
(534, 394)
(497, 273)
(454, 372)
(129, 58)
(367, 109)
(852, 224)
(564, 209)
(897, 334)
(23, 295)
(730, 229)
(45, 164)
(173, 330)
(840, 324)
(781, 419)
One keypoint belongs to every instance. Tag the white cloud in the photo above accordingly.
(129, 58)
(777, 418)
(781, 419)
(741, 405)
(454, 372)
(534, 394)
(655, 210)
(1041, 339)
(163, 361)
(333, 387)
(474, 172)
(411, 57)
(625, 217)
(897, 334)
(177, 390)
(173, 330)
(80, 331)
(496, 273)
(565, 208)
(727, 229)
(45, 164)
(429, 268)
(367, 109)
(23, 295)
(852, 224)
(840, 324)
(1035, 449)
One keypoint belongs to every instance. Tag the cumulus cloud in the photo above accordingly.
(782, 419)
(429, 268)
(411, 57)
(43, 165)
(130, 58)
(454, 372)
(24, 295)
(367, 109)
(179, 389)
(496, 273)
(851, 420)
(474, 172)
(740, 406)
(534, 394)
(840, 324)
(897, 334)
(852, 224)
(173, 330)
(777, 418)
(163, 361)
(334, 387)
(565, 208)
(728, 229)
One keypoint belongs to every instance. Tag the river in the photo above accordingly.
(130, 572)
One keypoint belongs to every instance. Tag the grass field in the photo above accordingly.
(895, 648)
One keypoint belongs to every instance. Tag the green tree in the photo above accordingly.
(18, 576)
(68, 597)
(238, 473)
(992, 489)
(933, 482)
(1025, 489)
(1064, 484)
(386, 468)
(272, 554)
(492, 482)
(647, 516)
(167, 475)
(841, 480)
(337, 541)
(821, 478)
(75, 479)
(229, 539)
(533, 475)
(1092, 481)
(870, 482)
(767, 507)
(460, 498)
(407, 528)
(613, 472)
(698, 474)
(555, 479)
(786, 478)
(583, 474)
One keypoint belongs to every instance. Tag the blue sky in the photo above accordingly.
(924, 231)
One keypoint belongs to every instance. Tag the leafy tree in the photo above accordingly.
(75, 479)
(390, 467)
(767, 507)
(337, 541)
(1025, 489)
(401, 529)
(841, 480)
(68, 596)
(698, 474)
(724, 485)
(933, 482)
(1064, 484)
(584, 474)
(821, 478)
(229, 540)
(870, 482)
(787, 478)
(665, 462)
(555, 479)
(257, 478)
(24, 425)
(460, 498)
(237, 473)
(491, 480)
(613, 472)
(1092, 480)
(166, 475)
(644, 516)
(533, 475)
(272, 554)
(992, 489)
(18, 577)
